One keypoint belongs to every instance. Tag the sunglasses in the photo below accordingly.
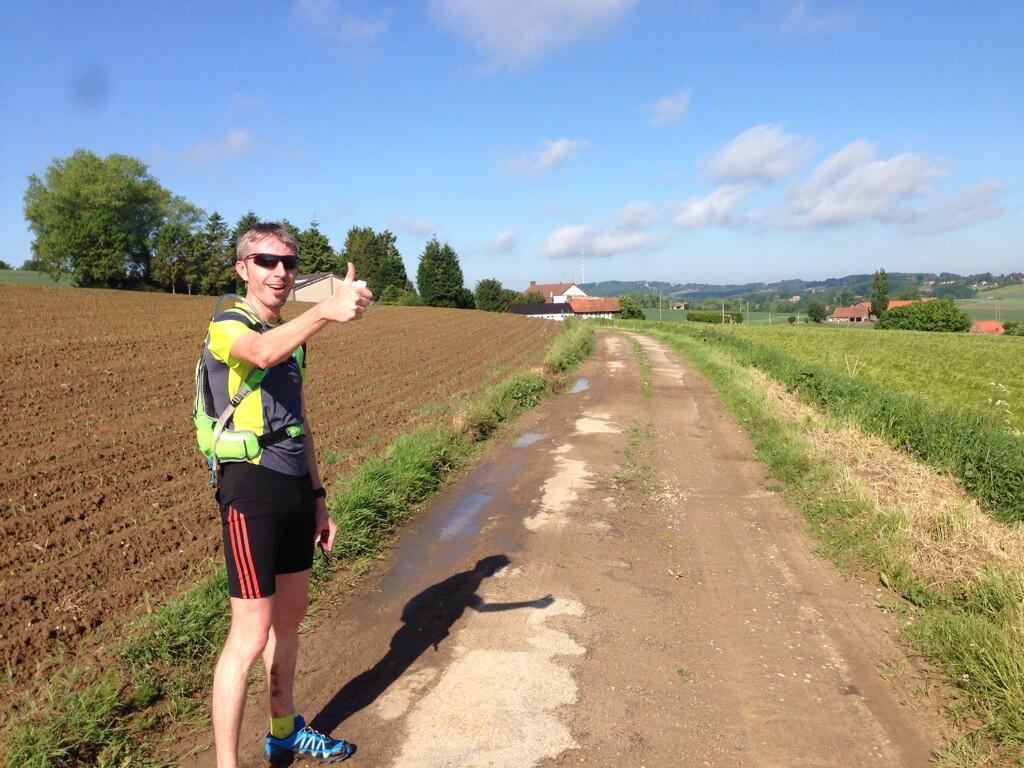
(270, 261)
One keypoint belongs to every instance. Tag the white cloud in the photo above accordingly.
(326, 19)
(973, 204)
(716, 209)
(513, 34)
(505, 243)
(548, 157)
(670, 109)
(413, 226)
(762, 153)
(853, 185)
(570, 242)
(236, 143)
(802, 19)
(636, 216)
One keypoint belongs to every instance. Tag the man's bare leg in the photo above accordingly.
(282, 650)
(250, 629)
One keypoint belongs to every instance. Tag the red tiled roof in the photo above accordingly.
(987, 326)
(594, 304)
(857, 310)
(549, 290)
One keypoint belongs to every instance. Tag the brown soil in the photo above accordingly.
(613, 584)
(106, 509)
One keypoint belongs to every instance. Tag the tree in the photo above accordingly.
(376, 258)
(909, 291)
(846, 298)
(5, 265)
(464, 299)
(936, 315)
(533, 297)
(879, 293)
(510, 297)
(390, 267)
(791, 319)
(817, 311)
(95, 218)
(439, 277)
(630, 308)
(403, 297)
(490, 296)
(315, 252)
(175, 246)
(215, 258)
(33, 265)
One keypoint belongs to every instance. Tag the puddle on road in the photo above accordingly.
(462, 520)
(447, 535)
(527, 439)
(579, 386)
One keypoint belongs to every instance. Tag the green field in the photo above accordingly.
(1009, 293)
(956, 369)
(1008, 305)
(28, 277)
(679, 316)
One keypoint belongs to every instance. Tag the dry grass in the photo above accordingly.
(945, 537)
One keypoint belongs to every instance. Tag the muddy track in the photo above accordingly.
(613, 584)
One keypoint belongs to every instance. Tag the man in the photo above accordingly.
(273, 507)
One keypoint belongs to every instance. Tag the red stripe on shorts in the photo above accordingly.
(238, 553)
(247, 555)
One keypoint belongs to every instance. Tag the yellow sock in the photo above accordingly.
(282, 726)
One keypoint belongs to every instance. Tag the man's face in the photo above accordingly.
(267, 284)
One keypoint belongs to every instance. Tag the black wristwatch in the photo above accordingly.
(319, 493)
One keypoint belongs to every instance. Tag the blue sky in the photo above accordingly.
(665, 140)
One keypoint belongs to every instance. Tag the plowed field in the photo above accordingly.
(106, 510)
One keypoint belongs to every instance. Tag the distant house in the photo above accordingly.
(315, 287)
(992, 327)
(595, 306)
(556, 293)
(549, 311)
(677, 305)
(858, 313)
(794, 299)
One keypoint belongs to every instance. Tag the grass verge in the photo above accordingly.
(976, 448)
(972, 626)
(110, 715)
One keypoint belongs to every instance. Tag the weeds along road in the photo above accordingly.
(611, 584)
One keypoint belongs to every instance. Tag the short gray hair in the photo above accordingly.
(260, 231)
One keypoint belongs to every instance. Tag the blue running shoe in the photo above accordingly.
(307, 742)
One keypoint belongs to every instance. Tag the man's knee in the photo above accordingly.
(248, 634)
(289, 611)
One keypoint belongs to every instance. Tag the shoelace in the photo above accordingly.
(309, 733)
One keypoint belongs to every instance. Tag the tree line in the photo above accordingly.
(109, 223)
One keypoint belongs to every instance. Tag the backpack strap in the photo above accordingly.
(252, 381)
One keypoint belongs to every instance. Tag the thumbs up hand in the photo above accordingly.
(350, 302)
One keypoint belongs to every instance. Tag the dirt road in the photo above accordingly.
(611, 585)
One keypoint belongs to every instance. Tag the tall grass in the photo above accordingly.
(86, 718)
(975, 447)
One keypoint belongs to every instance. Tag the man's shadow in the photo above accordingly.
(428, 618)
